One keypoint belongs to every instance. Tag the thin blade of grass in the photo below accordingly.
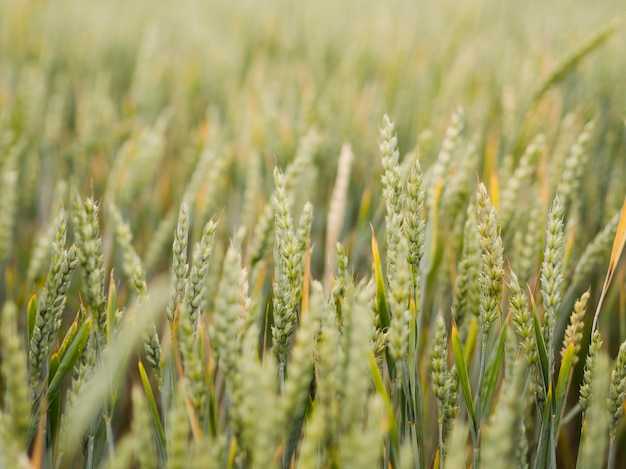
(431, 247)
(156, 420)
(413, 362)
(379, 385)
(205, 355)
(457, 350)
(196, 431)
(111, 308)
(69, 337)
(492, 373)
(36, 458)
(232, 452)
(415, 404)
(392, 426)
(69, 359)
(381, 297)
(470, 341)
(569, 248)
(544, 445)
(541, 348)
(293, 439)
(31, 315)
(494, 187)
(54, 407)
(176, 354)
(433, 255)
(306, 281)
(616, 253)
(563, 382)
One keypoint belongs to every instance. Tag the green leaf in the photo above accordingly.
(31, 315)
(69, 359)
(470, 342)
(433, 252)
(563, 381)
(54, 407)
(457, 351)
(616, 253)
(381, 300)
(414, 388)
(413, 361)
(541, 349)
(492, 373)
(111, 308)
(293, 438)
(53, 366)
(381, 297)
(379, 385)
(69, 337)
(545, 437)
(156, 420)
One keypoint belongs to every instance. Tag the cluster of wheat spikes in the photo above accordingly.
(215, 253)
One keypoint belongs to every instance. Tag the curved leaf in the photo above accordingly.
(156, 420)
(69, 359)
(457, 351)
(492, 373)
(381, 297)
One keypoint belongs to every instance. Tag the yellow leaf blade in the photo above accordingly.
(616, 253)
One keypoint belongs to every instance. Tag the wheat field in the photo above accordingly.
(350, 234)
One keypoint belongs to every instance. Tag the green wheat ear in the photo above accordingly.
(290, 245)
(568, 63)
(594, 436)
(91, 259)
(52, 302)
(136, 275)
(8, 202)
(179, 261)
(617, 394)
(492, 272)
(15, 378)
(552, 274)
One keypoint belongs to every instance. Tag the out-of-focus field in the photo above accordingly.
(87, 76)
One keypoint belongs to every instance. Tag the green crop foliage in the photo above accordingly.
(333, 234)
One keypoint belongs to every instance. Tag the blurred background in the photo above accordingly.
(123, 98)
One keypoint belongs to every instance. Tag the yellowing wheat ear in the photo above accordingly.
(616, 253)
